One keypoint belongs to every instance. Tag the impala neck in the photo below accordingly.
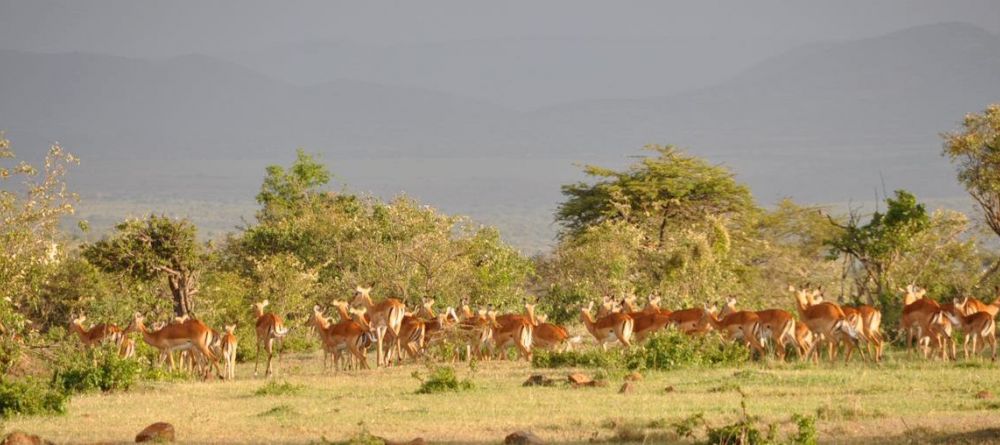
(258, 311)
(344, 314)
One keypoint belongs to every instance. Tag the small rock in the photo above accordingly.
(984, 394)
(22, 438)
(669, 389)
(522, 438)
(634, 377)
(579, 379)
(627, 388)
(539, 380)
(157, 432)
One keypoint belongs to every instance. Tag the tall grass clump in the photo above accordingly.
(666, 350)
(442, 379)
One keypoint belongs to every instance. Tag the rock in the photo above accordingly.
(627, 388)
(22, 438)
(580, 379)
(157, 432)
(522, 438)
(633, 377)
(984, 394)
(668, 389)
(539, 380)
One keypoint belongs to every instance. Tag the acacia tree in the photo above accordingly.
(157, 247)
(878, 245)
(975, 149)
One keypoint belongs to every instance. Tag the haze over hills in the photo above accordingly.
(827, 122)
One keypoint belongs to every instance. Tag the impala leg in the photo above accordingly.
(256, 360)
(269, 348)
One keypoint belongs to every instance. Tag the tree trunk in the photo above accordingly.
(182, 288)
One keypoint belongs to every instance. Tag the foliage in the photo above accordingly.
(153, 248)
(98, 369)
(975, 149)
(32, 201)
(30, 397)
(880, 244)
(442, 379)
(663, 351)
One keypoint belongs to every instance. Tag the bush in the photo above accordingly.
(101, 369)
(667, 350)
(442, 379)
(30, 397)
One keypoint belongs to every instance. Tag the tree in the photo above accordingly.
(975, 149)
(880, 244)
(153, 248)
(286, 193)
(670, 187)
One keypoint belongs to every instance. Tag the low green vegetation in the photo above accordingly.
(442, 379)
(666, 350)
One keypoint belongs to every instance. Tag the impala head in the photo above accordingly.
(491, 315)
(542, 318)
(427, 309)
(157, 325)
(653, 300)
(181, 319)
(258, 308)
(362, 294)
(136, 323)
(912, 293)
(230, 328)
(78, 321)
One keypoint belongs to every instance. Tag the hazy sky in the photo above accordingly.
(159, 29)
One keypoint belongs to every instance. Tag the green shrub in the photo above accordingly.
(30, 397)
(100, 369)
(807, 434)
(442, 379)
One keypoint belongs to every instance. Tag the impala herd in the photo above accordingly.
(397, 333)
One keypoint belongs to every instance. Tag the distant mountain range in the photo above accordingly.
(825, 122)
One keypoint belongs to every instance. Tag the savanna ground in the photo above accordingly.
(900, 401)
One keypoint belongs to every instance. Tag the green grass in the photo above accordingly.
(900, 400)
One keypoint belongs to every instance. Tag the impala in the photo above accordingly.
(412, 335)
(923, 319)
(547, 335)
(385, 316)
(653, 305)
(690, 321)
(192, 334)
(775, 325)
(229, 351)
(737, 325)
(805, 341)
(646, 323)
(972, 305)
(99, 333)
(353, 334)
(319, 323)
(826, 320)
(269, 329)
(978, 326)
(514, 329)
(613, 327)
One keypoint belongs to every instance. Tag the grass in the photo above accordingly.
(897, 402)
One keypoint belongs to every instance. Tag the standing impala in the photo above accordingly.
(192, 334)
(229, 351)
(972, 305)
(775, 325)
(690, 321)
(923, 319)
(269, 329)
(979, 326)
(738, 325)
(384, 316)
(607, 329)
(826, 320)
(547, 335)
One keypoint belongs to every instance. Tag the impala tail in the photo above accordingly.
(525, 336)
(575, 340)
(280, 331)
(846, 327)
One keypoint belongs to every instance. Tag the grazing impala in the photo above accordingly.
(613, 327)
(229, 351)
(99, 333)
(826, 320)
(269, 329)
(192, 334)
(385, 316)
(923, 319)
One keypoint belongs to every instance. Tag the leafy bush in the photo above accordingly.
(667, 350)
(100, 368)
(442, 379)
(30, 397)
